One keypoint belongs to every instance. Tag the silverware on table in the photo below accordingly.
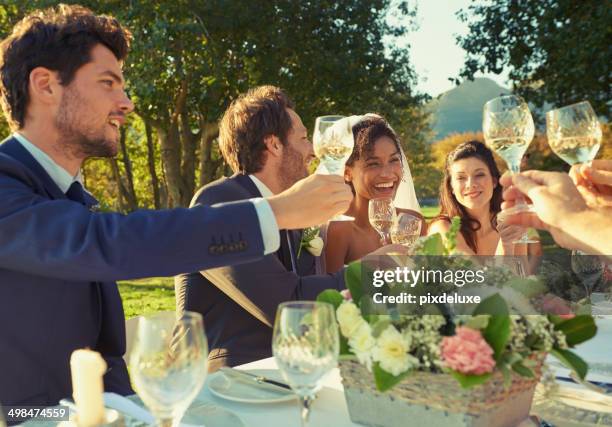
(251, 378)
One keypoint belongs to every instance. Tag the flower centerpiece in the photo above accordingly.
(446, 369)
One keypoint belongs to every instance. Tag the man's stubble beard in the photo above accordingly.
(77, 142)
(292, 168)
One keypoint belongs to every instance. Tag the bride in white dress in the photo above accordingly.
(377, 168)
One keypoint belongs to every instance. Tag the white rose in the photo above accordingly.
(391, 351)
(362, 342)
(315, 246)
(349, 318)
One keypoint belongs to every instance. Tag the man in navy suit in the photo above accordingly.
(62, 91)
(265, 142)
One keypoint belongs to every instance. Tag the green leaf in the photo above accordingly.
(468, 381)
(478, 322)
(494, 305)
(523, 370)
(353, 280)
(344, 347)
(507, 375)
(529, 287)
(431, 245)
(332, 297)
(577, 329)
(385, 380)
(379, 327)
(571, 361)
(497, 334)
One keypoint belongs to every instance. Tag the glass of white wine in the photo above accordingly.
(305, 344)
(169, 363)
(574, 133)
(508, 129)
(381, 213)
(406, 229)
(333, 145)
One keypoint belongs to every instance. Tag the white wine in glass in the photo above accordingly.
(305, 344)
(574, 133)
(508, 129)
(406, 229)
(169, 363)
(381, 213)
(333, 145)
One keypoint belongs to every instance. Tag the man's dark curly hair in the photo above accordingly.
(60, 39)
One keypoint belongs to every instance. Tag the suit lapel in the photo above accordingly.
(283, 253)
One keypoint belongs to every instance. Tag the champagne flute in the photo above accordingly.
(381, 213)
(508, 129)
(574, 133)
(333, 145)
(406, 229)
(305, 344)
(169, 363)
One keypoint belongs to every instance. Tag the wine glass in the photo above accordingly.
(588, 268)
(305, 344)
(381, 213)
(406, 229)
(169, 363)
(574, 133)
(333, 145)
(508, 129)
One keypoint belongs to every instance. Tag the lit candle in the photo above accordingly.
(87, 369)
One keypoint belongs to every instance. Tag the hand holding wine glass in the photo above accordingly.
(169, 363)
(381, 213)
(508, 129)
(305, 344)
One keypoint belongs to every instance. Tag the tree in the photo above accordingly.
(557, 51)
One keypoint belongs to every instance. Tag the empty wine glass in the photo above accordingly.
(333, 144)
(574, 133)
(588, 268)
(305, 344)
(381, 213)
(168, 363)
(406, 229)
(508, 129)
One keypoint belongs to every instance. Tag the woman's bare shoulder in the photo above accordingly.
(339, 230)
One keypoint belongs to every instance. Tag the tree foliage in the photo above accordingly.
(189, 59)
(557, 51)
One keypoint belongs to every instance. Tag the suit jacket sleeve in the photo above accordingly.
(63, 239)
(260, 286)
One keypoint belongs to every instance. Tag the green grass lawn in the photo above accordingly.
(147, 296)
(430, 211)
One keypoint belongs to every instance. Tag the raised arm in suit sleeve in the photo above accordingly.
(62, 239)
(261, 285)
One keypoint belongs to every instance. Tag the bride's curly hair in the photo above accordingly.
(450, 206)
(366, 132)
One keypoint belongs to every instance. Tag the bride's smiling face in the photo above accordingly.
(378, 173)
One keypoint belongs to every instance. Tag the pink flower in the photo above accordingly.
(346, 294)
(467, 352)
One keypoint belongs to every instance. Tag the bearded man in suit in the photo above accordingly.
(266, 144)
(62, 91)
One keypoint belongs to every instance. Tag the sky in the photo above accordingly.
(433, 50)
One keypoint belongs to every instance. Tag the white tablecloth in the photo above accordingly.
(329, 410)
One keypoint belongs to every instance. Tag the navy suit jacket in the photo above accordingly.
(58, 264)
(239, 302)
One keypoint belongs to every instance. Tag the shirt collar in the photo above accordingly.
(263, 188)
(58, 174)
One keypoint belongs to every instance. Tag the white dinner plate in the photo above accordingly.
(241, 391)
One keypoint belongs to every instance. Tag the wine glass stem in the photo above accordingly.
(306, 401)
(385, 238)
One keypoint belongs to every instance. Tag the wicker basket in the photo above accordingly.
(437, 400)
